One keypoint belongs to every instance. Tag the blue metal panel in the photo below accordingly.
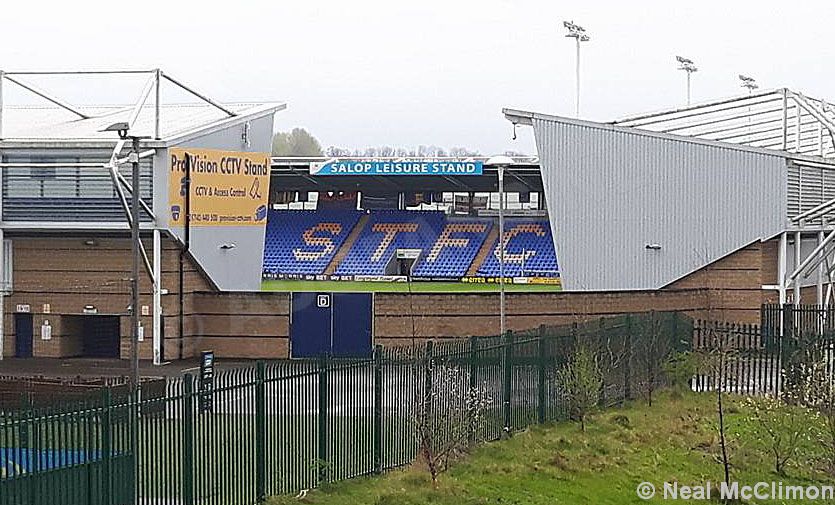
(352, 319)
(310, 324)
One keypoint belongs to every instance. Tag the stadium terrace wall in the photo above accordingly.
(57, 277)
(68, 274)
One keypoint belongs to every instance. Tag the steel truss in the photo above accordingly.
(121, 185)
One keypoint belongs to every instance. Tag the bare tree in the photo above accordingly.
(449, 416)
(653, 349)
(717, 358)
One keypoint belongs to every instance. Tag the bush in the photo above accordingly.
(780, 429)
(582, 382)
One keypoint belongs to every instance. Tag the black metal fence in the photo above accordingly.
(752, 359)
(280, 427)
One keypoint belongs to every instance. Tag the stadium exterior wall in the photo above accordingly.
(611, 191)
(68, 274)
(231, 269)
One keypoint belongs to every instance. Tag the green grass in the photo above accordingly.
(401, 287)
(673, 441)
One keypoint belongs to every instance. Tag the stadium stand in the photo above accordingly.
(529, 251)
(387, 231)
(316, 243)
(304, 242)
(451, 254)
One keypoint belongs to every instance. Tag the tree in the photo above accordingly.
(780, 428)
(298, 142)
(818, 394)
(581, 381)
(717, 359)
(449, 415)
(653, 349)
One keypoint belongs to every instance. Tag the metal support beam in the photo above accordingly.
(785, 125)
(157, 310)
(2, 78)
(800, 266)
(198, 95)
(2, 294)
(46, 96)
(143, 97)
(797, 252)
(782, 253)
(819, 298)
(156, 103)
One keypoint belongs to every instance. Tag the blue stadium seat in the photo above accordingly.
(387, 231)
(529, 251)
(455, 248)
(305, 242)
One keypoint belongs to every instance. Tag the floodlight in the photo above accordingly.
(686, 64)
(121, 128)
(576, 31)
(748, 82)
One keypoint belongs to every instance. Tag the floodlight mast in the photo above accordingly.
(578, 33)
(688, 66)
(748, 82)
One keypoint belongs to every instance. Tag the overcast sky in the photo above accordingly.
(359, 72)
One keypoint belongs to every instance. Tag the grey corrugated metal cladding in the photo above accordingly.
(612, 191)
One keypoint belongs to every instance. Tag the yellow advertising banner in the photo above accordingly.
(228, 188)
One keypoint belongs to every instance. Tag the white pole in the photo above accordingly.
(820, 272)
(2, 78)
(688, 87)
(501, 250)
(157, 311)
(797, 252)
(2, 294)
(577, 79)
(782, 253)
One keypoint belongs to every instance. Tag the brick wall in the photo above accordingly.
(68, 274)
(61, 276)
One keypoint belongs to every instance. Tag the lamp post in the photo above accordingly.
(578, 33)
(688, 66)
(501, 163)
(123, 129)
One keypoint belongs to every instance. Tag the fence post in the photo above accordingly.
(260, 434)
(427, 381)
(378, 408)
(188, 439)
(323, 419)
(472, 358)
(106, 449)
(627, 366)
(540, 389)
(506, 382)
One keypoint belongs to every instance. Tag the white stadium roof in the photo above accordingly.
(58, 121)
(57, 124)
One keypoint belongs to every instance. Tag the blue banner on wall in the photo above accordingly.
(386, 168)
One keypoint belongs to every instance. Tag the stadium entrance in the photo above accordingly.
(23, 335)
(98, 335)
(331, 324)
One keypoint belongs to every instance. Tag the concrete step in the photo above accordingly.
(347, 245)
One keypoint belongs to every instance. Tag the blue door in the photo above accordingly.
(331, 324)
(311, 320)
(23, 335)
(352, 317)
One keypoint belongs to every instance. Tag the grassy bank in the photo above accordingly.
(673, 441)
